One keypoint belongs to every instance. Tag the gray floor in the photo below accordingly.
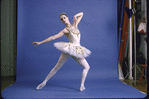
(142, 87)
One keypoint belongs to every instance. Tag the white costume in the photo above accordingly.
(73, 47)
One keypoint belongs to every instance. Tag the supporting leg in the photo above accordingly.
(59, 64)
(86, 67)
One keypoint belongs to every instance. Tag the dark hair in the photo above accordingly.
(62, 14)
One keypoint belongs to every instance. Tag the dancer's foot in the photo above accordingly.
(82, 88)
(41, 85)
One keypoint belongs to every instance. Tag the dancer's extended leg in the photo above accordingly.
(59, 64)
(86, 67)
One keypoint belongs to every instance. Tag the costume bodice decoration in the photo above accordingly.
(74, 36)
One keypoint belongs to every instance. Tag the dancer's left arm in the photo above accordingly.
(77, 18)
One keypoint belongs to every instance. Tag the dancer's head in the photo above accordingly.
(64, 19)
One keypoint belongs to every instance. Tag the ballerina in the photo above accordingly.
(71, 48)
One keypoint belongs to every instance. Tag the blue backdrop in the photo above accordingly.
(39, 19)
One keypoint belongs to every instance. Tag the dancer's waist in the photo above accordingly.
(75, 43)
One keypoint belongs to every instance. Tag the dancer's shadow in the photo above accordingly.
(58, 87)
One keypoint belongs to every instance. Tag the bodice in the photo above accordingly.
(73, 47)
(74, 36)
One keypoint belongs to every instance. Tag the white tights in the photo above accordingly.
(63, 58)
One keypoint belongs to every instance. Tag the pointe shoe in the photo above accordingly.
(82, 88)
(41, 86)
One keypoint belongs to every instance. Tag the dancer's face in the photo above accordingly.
(64, 19)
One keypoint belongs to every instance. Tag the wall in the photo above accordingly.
(8, 37)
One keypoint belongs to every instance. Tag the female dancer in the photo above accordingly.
(71, 48)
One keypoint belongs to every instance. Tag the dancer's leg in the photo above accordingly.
(59, 64)
(86, 67)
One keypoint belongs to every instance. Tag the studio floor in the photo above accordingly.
(8, 81)
(142, 87)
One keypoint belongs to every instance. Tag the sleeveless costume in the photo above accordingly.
(73, 47)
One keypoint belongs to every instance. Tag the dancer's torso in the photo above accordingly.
(74, 35)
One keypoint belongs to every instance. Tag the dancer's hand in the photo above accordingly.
(36, 43)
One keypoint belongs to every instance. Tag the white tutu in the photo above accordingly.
(74, 50)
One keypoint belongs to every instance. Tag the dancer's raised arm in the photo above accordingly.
(60, 34)
(77, 18)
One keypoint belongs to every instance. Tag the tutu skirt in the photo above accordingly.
(73, 50)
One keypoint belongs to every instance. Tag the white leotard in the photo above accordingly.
(73, 47)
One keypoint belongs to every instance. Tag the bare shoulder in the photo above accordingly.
(65, 31)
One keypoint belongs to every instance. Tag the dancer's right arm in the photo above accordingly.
(60, 34)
